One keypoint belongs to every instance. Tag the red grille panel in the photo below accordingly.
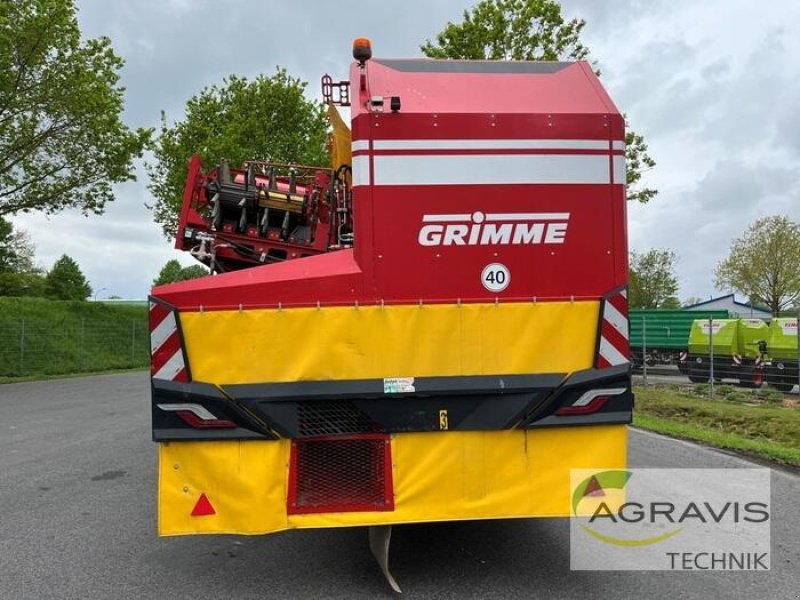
(341, 474)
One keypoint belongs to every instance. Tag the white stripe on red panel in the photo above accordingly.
(611, 354)
(488, 169)
(166, 353)
(616, 318)
(163, 331)
(360, 170)
(614, 346)
(171, 368)
(490, 144)
(618, 170)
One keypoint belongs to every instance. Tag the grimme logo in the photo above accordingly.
(480, 229)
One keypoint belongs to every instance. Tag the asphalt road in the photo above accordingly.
(77, 520)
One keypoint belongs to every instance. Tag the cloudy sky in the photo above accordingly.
(714, 86)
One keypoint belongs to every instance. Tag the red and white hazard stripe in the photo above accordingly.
(166, 352)
(614, 347)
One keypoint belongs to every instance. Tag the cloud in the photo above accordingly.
(712, 85)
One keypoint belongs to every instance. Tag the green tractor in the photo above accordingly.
(738, 350)
(781, 369)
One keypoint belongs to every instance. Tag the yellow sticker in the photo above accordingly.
(443, 419)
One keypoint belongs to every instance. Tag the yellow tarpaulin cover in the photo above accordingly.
(438, 476)
(392, 341)
(341, 152)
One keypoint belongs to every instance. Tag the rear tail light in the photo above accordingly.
(197, 416)
(590, 402)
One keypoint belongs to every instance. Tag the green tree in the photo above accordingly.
(652, 279)
(268, 118)
(16, 249)
(62, 143)
(764, 264)
(18, 275)
(66, 282)
(531, 30)
(172, 271)
(25, 283)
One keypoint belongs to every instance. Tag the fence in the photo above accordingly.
(29, 346)
(744, 353)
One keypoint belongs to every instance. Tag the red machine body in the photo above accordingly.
(440, 190)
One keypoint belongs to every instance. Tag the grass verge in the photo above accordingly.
(27, 378)
(770, 432)
(41, 337)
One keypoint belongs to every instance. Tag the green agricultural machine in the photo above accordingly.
(660, 336)
(781, 365)
(737, 346)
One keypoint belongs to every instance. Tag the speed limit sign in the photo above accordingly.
(495, 277)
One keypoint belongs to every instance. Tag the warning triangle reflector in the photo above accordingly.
(203, 507)
(593, 488)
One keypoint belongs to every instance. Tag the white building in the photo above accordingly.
(743, 310)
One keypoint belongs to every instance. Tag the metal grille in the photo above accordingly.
(341, 475)
(332, 418)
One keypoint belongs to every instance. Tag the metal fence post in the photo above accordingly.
(711, 353)
(82, 342)
(22, 347)
(797, 331)
(644, 348)
(133, 340)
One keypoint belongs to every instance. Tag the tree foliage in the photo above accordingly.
(764, 264)
(172, 271)
(66, 282)
(531, 30)
(511, 30)
(16, 249)
(18, 274)
(62, 143)
(267, 118)
(652, 280)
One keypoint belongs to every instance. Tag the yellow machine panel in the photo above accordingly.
(438, 476)
(374, 341)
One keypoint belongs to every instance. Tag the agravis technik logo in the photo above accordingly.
(601, 492)
(670, 519)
